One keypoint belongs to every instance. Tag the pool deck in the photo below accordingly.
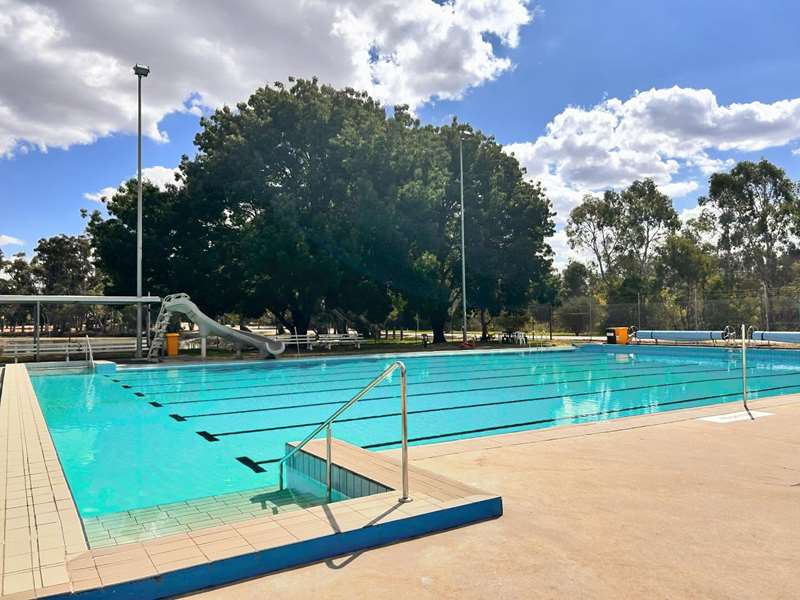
(655, 506)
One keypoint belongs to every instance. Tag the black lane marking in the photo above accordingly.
(610, 367)
(177, 417)
(416, 394)
(293, 381)
(247, 462)
(214, 437)
(553, 420)
(126, 387)
(156, 404)
(140, 394)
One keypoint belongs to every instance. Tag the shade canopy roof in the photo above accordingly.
(105, 300)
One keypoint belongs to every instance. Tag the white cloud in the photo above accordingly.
(796, 151)
(659, 133)
(691, 213)
(67, 76)
(10, 240)
(562, 253)
(678, 189)
(160, 176)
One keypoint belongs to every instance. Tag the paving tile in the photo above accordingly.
(179, 564)
(213, 553)
(54, 575)
(52, 556)
(17, 582)
(130, 571)
(185, 553)
(20, 562)
(82, 574)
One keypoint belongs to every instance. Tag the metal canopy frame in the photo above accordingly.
(38, 299)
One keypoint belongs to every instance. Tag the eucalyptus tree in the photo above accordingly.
(758, 214)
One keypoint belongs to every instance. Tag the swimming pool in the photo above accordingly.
(139, 437)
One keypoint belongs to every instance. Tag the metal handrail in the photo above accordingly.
(327, 425)
(89, 352)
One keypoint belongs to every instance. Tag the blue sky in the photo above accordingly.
(75, 138)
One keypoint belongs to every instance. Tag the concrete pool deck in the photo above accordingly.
(655, 506)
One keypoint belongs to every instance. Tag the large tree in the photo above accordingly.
(307, 200)
(621, 230)
(758, 213)
(506, 222)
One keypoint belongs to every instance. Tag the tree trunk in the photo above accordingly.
(437, 324)
(484, 326)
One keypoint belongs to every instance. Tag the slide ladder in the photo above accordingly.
(159, 332)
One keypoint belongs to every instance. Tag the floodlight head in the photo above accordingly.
(141, 70)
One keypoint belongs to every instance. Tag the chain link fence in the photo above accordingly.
(584, 315)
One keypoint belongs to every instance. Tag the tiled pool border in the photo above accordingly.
(44, 539)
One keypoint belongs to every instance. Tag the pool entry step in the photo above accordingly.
(180, 517)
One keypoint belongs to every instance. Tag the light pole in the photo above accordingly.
(140, 71)
(463, 254)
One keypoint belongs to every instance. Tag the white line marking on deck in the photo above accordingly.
(737, 416)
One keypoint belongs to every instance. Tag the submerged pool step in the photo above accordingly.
(179, 517)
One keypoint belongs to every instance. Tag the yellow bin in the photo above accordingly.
(172, 344)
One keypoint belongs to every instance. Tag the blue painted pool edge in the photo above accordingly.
(271, 560)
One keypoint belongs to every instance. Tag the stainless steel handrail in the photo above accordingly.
(744, 372)
(89, 352)
(328, 423)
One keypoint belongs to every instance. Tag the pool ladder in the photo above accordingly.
(328, 426)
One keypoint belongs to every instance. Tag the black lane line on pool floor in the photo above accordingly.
(295, 380)
(420, 381)
(214, 437)
(255, 464)
(179, 417)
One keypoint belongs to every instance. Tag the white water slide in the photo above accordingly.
(182, 303)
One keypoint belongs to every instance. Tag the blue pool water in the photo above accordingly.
(145, 436)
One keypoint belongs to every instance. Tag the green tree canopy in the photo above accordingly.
(758, 215)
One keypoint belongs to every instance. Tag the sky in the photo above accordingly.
(588, 95)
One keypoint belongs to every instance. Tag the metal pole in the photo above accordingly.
(139, 231)
(766, 307)
(463, 255)
(328, 462)
(404, 417)
(36, 331)
(744, 370)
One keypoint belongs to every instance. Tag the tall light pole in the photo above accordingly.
(140, 71)
(463, 254)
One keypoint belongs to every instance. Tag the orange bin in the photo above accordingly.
(172, 344)
(617, 335)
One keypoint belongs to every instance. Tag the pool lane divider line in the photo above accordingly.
(423, 382)
(425, 438)
(214, 437)
(293, 381)
(179, 417)
(610, 367)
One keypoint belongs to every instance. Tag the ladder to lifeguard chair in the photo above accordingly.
(159, 332)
